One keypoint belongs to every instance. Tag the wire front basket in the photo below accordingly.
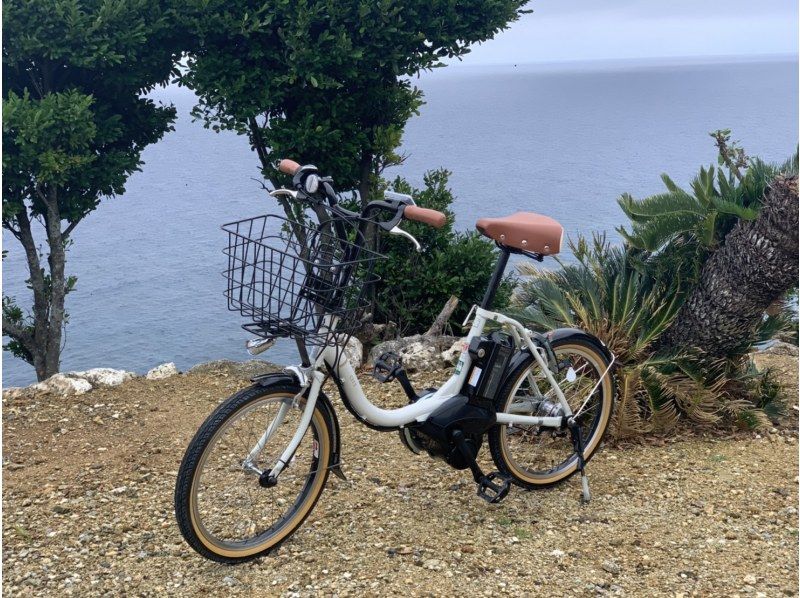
(300, 281)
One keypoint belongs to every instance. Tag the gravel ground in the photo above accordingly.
(87, 510)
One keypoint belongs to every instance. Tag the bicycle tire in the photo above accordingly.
(588, 347)
(186, 505)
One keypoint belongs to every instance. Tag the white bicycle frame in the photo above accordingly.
(420, 410)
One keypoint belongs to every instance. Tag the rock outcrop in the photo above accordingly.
(422, 353)
(165, 370)
(62, 384)
(103, 377)
(73, 383)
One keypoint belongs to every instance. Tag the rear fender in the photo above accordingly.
(571, 334)
(557, 335)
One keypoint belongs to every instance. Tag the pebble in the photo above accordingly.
(118, 531)
(432, 564)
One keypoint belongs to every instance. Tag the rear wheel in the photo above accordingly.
(538, 456)
(223, 511)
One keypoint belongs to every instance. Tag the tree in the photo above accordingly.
(415, 286)
(74, 127)
(755, 267)
(325, 81)
(733, 240)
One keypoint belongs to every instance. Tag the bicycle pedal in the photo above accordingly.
(493, 492)
(386, 367)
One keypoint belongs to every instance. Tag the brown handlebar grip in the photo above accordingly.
(288, 166)
(433, 218)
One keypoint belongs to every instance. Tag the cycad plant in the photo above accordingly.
(631, 295)
(720, 197)
(627, 299)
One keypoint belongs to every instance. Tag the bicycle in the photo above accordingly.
(258, 464)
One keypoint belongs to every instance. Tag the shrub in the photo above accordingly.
(415, 286)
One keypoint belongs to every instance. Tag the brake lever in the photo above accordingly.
(396, 230)
(284, 193)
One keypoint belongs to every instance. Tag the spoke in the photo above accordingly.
(246, 484)
(540, 449)
(232, 514)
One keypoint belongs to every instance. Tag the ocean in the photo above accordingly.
(564, 140)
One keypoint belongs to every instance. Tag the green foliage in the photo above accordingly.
(629, 295)
(610, 292)
(324, 81)
(327, 82)
(73, 118)
(628, 303)
(415, 286)
(701, 219)
(74, 127)
(14, 314)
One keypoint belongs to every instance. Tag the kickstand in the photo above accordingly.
(577, 443)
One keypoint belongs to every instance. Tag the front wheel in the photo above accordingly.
(538, 456)
(223, 511)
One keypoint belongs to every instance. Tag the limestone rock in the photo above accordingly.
(165, 370)
(100, 377)
(419, 353)
(421, 357)
(452, 354)
(62, 384)
(354, 352)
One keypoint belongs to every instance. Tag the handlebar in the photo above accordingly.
(402, 206)
(427, 216)
(288, 166)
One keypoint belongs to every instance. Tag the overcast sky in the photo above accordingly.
(562, 30)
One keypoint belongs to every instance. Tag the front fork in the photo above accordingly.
(269, 476)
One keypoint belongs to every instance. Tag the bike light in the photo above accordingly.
(312, 183)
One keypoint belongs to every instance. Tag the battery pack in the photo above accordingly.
(490, 357)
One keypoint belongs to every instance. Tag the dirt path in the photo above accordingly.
(87, 510)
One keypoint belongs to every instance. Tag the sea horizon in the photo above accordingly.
(560, 140)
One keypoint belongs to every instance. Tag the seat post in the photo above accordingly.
(497, 277)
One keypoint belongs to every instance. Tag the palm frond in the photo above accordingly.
(725, 206)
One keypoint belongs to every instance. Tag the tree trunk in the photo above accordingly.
(437, 327)
(365, 168)
(43, 341)
(756, 266)
(58, 285)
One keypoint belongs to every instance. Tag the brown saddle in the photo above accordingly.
(524, 230)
